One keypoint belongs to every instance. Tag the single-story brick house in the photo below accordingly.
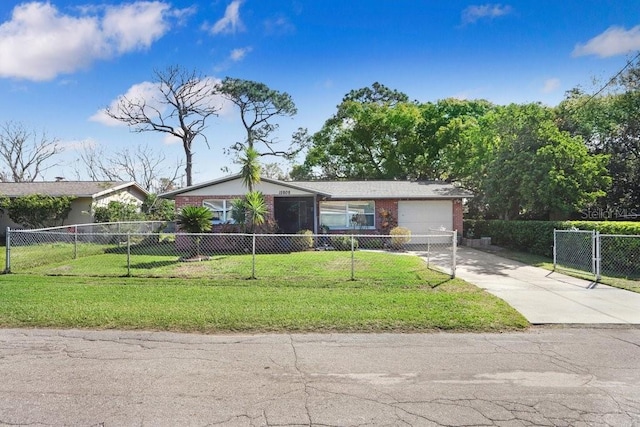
(88, 195)
(340, 206)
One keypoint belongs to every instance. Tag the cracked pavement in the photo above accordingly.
(542, 377)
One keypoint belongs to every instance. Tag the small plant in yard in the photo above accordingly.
(195, 220)
(371, 242)
(302, 241)
(343, 243)
(400, 236)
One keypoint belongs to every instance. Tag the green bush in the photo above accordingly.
(117, 211)
(371, 242)
(620, 257)
(400, 236)
(537, 236)
(302, 241)
(343, 243)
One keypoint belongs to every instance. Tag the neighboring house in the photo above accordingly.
(88, 195)
(342, 206)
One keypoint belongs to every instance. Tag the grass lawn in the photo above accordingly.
(297, 267)
(547, 263)
(403, 296)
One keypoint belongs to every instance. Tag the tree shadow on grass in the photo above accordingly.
(154, 264)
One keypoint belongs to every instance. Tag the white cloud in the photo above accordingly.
(230, 23)
(551, 85)
(614, 41)
(171, 140)
(474, 13)
(136, 25)
(279, 26)
(239, 54)
(145, 92)
(39, 42)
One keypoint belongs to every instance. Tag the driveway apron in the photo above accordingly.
(546, 297)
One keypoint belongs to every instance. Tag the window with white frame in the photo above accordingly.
(348, 214)
(221, 210)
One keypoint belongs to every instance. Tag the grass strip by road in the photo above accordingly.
(266, 305)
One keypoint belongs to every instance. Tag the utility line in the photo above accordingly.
(611, 80)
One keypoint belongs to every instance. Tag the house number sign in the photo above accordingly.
(284, 192)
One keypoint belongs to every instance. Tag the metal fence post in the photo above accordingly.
(555, 253)
(128, 254)
(253, 257)
(593, 254)
(455, 250)
(598, 253)
(428, 250)
(7, 265)
(353, 273)
(75, 242)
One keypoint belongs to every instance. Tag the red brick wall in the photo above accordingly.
(457, 216)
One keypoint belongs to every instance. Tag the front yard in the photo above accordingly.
(303, 292)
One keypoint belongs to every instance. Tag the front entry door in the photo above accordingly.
(293, 214)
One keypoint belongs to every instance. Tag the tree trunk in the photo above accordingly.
(189, 164)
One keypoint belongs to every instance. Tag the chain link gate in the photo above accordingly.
(576, 249)
(613, 255)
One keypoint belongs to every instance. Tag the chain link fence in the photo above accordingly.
(619, 255)
(156, 250)
(611, 255)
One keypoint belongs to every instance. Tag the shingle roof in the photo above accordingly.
(385, 189)
(63, 188)
(356, 189)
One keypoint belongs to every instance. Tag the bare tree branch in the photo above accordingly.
(25, 153)
(143, 165)
(185, 102)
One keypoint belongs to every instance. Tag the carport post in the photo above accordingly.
(7, 268)
(455, 250)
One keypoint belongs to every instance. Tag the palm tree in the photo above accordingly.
(253, 204)
(250, 168)
(255, 208)
(195, 220)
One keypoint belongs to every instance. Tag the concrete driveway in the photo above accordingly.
(544, 377)
(546, 297)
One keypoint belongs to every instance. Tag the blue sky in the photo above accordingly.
(62, 61)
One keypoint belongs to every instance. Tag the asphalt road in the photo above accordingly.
(546, 376)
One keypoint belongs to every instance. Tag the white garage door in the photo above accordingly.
(420, 216)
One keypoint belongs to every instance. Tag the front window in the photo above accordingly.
(221, 210)
(351, 214)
